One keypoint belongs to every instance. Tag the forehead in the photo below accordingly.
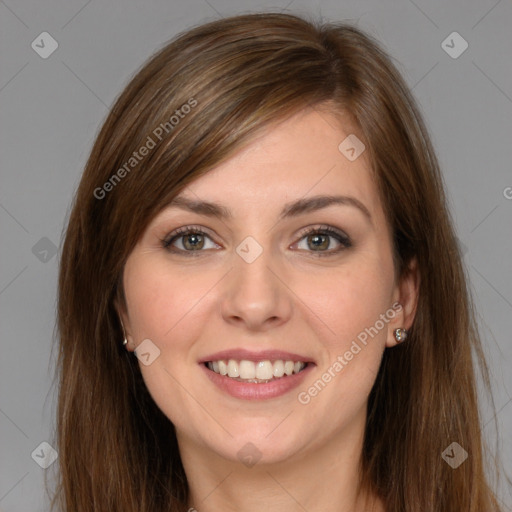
(304, 155)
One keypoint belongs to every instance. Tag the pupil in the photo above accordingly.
(318, 238)
(196, 242)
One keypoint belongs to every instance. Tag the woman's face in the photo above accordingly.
(253, 290)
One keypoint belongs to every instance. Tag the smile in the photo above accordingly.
(258, 372)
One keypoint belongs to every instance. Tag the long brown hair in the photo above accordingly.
(117, 450)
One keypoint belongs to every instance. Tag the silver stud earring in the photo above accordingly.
(400, 335)
(125, 342)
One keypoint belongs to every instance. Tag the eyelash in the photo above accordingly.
(343, 239)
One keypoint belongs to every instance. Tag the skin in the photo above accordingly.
(288, 298)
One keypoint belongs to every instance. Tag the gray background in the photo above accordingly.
(52, 108)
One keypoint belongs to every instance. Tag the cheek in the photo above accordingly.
(354, 342)
(169, 309)
(162, 304)
(350, 305)
(350, 300)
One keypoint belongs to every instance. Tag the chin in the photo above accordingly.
(259, 444)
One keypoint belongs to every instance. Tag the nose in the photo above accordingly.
(255, 294)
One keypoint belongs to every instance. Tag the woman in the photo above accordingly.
(261, 298)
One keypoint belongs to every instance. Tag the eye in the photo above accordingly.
(319, 239)
(190, 238)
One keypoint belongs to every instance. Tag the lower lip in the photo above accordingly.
(254, 391)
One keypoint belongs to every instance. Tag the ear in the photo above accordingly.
(405, 301)
(125, 323)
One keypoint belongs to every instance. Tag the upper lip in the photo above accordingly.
(239, 354)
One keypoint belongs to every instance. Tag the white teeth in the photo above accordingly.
(233, 369)
(288, 367)
(264, 370)
(260, 371)
(223, 368)
(247, 370)
(278, 369)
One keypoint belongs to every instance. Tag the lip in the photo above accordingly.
(254, 391)
(271, 355)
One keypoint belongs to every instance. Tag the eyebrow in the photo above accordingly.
(289, 210)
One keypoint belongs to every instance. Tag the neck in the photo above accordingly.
(324, 477)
